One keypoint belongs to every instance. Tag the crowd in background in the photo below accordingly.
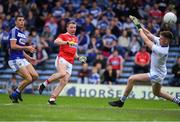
(106, 34)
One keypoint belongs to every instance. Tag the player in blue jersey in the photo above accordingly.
(19, 61)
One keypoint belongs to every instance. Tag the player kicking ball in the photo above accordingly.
(158, 70)
(64, 62)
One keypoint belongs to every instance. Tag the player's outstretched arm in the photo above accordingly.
(139, 25)
(146, 40)
(59, 41)
(148, 33)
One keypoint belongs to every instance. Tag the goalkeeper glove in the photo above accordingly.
(71, 43)
(135, 21)
(82, 59)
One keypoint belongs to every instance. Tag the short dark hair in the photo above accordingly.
(167, 34)
(18, 16)
(70, 22)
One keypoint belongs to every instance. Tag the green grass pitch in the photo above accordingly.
(35, 108)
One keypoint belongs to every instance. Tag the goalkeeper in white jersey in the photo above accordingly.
(158, 70)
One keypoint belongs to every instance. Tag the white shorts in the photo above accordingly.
(17, 64)
(155, 78)
(63, 61)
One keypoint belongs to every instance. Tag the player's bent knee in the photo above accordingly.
(35, 76)
(29, 79)
(63, 74)
(131, 79)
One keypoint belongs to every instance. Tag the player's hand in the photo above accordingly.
(135, 21)
(31, 49)
(82, 59)
(32, 61)
(71, 43)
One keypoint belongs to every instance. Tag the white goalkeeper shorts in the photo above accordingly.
(17, 64)
(155, 78)
(63, 61)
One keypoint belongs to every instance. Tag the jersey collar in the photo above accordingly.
(69, 34)
(17, 28)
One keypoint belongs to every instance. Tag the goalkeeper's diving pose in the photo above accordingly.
(67, 53)
(158, 70)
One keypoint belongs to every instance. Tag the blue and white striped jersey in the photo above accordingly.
(20, 37)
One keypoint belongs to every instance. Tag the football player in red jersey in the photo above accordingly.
(67, 53)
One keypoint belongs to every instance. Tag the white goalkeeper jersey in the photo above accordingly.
(159, 57)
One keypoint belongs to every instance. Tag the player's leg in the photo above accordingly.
(61, 68)
(131, 81)
(59, 88)
(32, 72)
(24, 73)
(160, 93)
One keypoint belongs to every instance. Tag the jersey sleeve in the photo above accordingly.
(156, 39)
(62, 36)
(159, 50)
(12, 35)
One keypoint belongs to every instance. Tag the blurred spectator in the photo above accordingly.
(109, 13)
(35, 38)
(92, 50)
(142, 61)
(155, 13)
(4, 43)
(114, 27)
(103, 23)
(88, 25)
(83, 10)
(109, 75)
(95, 10)
(94, 78)
(129, 25)
(124, 42)
(134, 46)
(83, 41)
(108, 44)
(176, 72)
(58, 11)
(116, 62)
(84, 74)
(41, 56)
(101, 60)
(52, 24)
(30, 21)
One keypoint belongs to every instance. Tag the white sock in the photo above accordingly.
(45, 83)
(123, 99)
(52, 99)
(18, 91)
(176, 100)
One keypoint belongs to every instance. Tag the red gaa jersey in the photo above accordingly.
(66, 51)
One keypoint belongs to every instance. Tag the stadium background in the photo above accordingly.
(45, 19)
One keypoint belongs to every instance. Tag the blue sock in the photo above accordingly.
(123, 99)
